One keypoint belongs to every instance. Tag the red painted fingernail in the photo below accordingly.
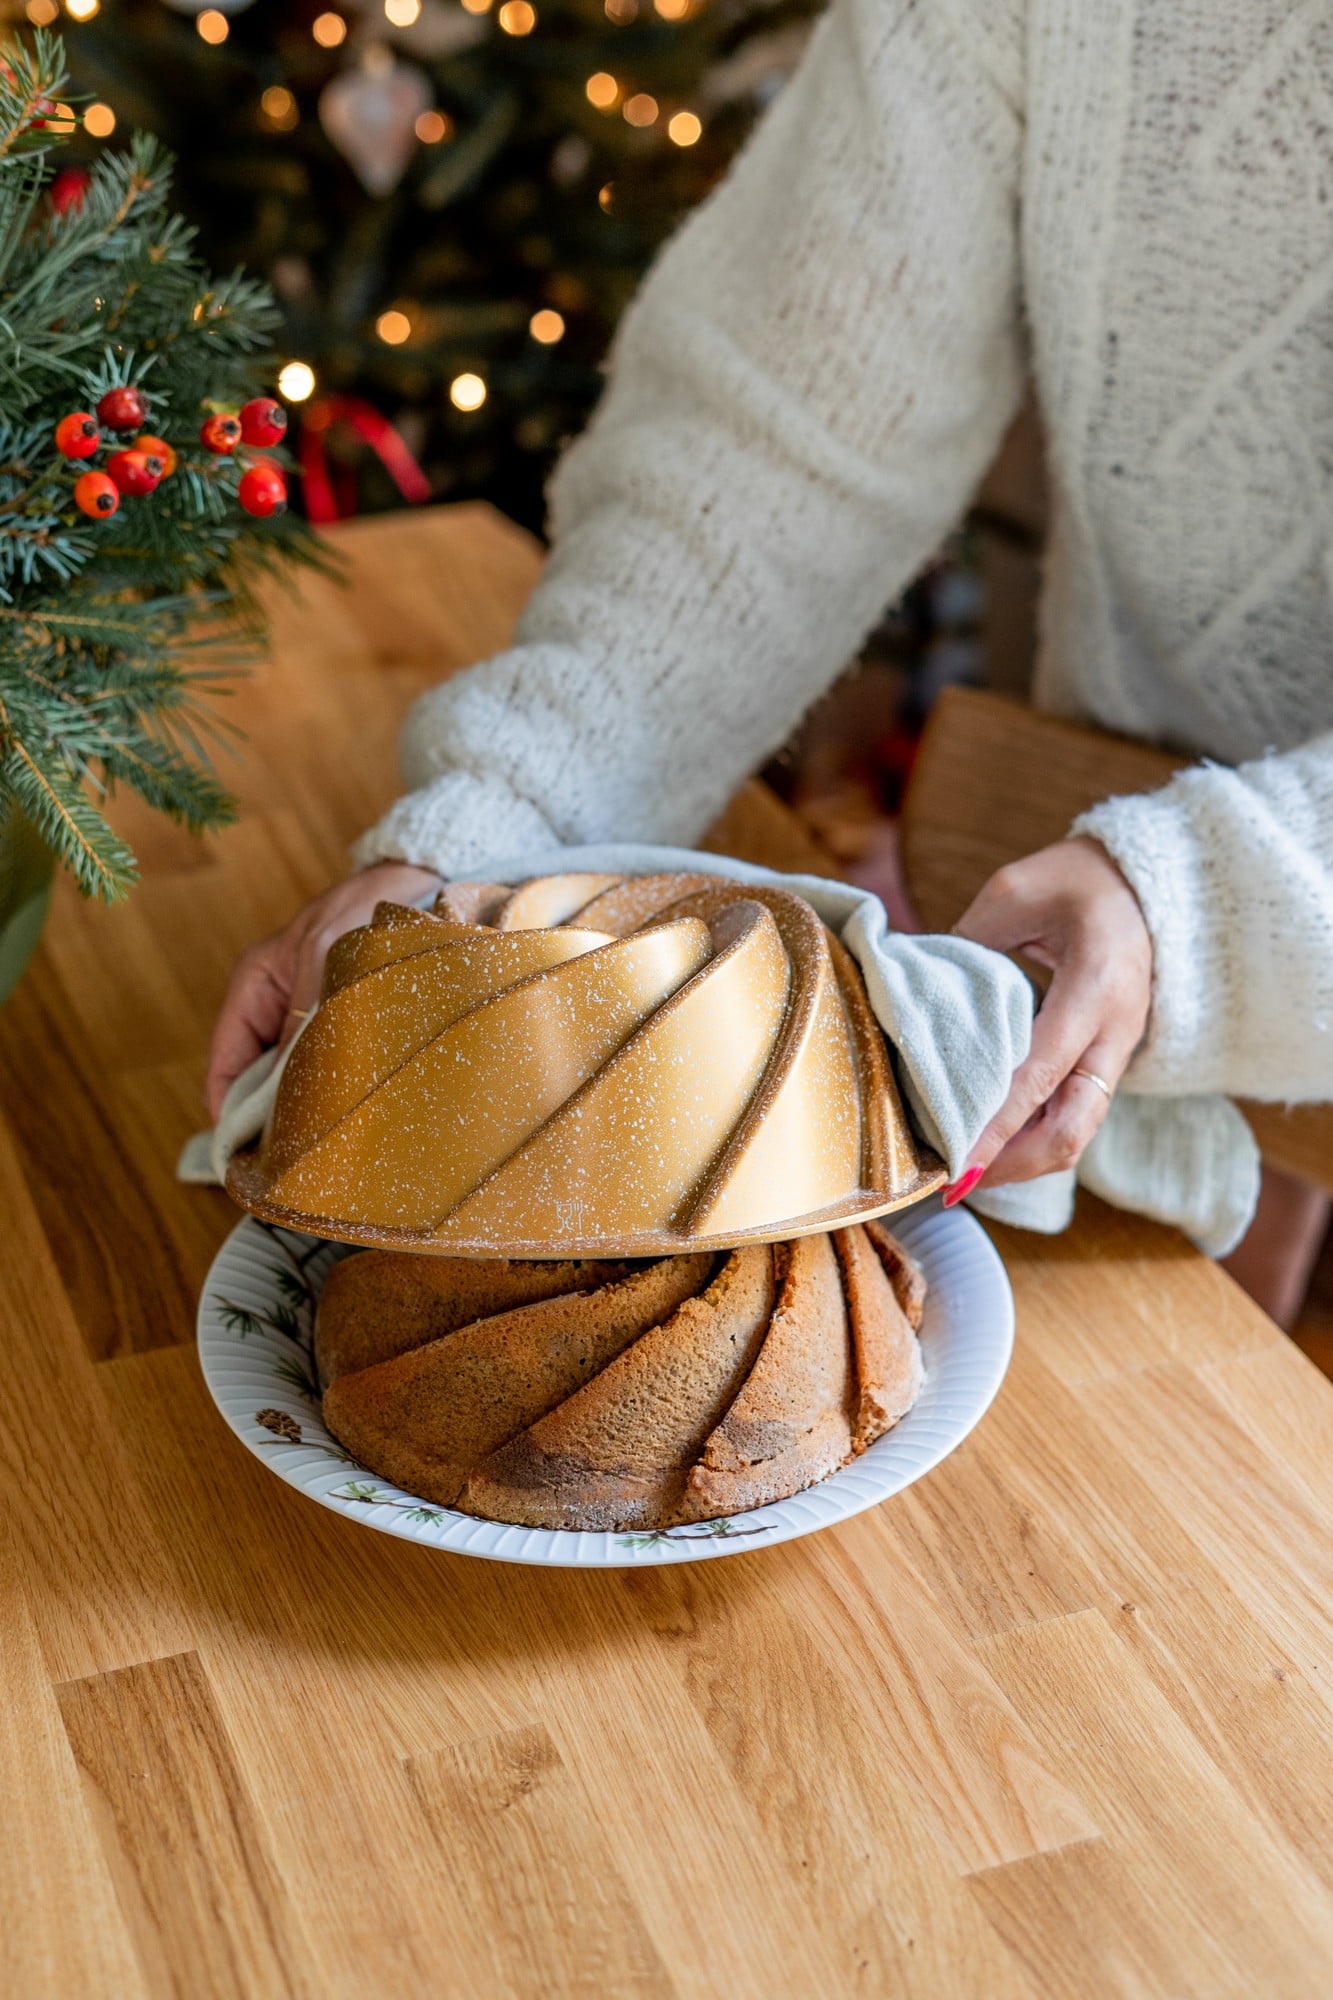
(963, 1186)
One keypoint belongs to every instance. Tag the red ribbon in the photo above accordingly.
(333, 497)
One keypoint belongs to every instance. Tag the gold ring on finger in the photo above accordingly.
(1100, 1081)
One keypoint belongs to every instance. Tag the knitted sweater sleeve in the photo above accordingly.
(1234, 870)
(808, 387)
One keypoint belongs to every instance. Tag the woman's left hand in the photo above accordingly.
(1069, 908)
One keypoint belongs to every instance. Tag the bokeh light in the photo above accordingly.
(516, 17)
(393, 327)
(212, 26)
(279, 108)
(641, 109)
(432, 126)
(296, 381)
(99, 120)
(684, 129)
(602, 90)
(467, 392)
(547, 326)
(329, 30)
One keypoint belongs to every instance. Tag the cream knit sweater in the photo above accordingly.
(1136, 202)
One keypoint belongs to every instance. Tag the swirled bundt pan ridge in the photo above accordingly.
(611, 1396)
(587, 1065)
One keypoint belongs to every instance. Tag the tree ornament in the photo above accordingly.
(96, 495)
(262, 490)
(221, 434)
(370, 114)
(77, 435)
(122, 409)
(135, 472)
(157, 447)
(263, 422)
(68, 189)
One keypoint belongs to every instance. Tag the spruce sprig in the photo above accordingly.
(104, 660)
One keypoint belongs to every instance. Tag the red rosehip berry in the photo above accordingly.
(135, 471)
(221, 434)
(96, 495)
(157, 447)
(263, 421)
(262, 490)
(68, 189)
(77, 435)
(122, 409)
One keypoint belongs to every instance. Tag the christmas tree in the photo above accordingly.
(121, 530)
(452, 202)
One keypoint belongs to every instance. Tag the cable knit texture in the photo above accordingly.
(1137, 202)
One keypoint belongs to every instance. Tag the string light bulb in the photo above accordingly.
(517, 17)
(279, 107)
(467, 392)
(433, 126)
(402, 13)
(329, 30)
(684, 129)
(99, 121)
(547, 326)
(602, 91)
(212, 27)
(60, 118)
(81, 10)
(393, 328)
(41, 12)
(640, 110)
(296, 381)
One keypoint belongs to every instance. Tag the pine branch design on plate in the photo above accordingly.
(724, 1529)
(286, 1430)
(371, 1496)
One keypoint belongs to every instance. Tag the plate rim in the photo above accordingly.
(852, 1490)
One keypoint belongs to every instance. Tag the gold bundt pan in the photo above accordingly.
(587, 1065)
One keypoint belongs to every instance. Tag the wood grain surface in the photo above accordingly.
(1054, 1722)
(995, 780)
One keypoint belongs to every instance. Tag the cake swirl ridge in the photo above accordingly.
(587, 1065)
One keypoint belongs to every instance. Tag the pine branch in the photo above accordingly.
(169, 783)
(80, 838)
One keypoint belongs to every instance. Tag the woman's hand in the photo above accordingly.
(1069, 908)
(277, 982)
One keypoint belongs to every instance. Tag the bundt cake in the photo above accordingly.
(587, 1065)
(621, 1396)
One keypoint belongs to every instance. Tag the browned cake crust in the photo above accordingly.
(424, 1419)
(616, 1454)
(887, 1357)
(902, 1270)
(600, 1396)
(388, 1302)
(791, 1424)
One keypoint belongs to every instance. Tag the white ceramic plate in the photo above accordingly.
(255, 1344)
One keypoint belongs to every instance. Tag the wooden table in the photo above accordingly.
(1054, 1722)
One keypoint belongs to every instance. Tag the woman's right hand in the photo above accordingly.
(277, 982)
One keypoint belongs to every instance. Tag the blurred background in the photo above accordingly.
(453, 201)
